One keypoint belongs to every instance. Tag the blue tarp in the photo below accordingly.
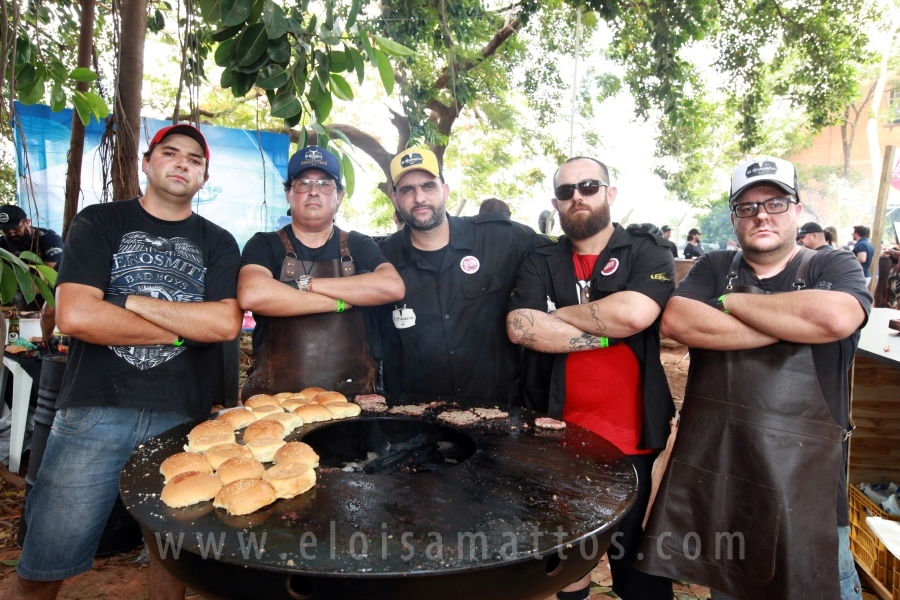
(244, 193)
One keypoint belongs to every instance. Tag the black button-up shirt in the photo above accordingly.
(448, 335)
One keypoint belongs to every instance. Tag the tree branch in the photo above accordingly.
(489, 50)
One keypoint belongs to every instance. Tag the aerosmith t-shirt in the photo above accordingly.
(121, 249)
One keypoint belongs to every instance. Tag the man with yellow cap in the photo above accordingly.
(447, 335)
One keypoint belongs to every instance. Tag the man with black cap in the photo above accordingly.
(812, 236)
(302, 283)
(772, 330)
(667, 234)
(19, 236)
(146, 289)
(447, 335)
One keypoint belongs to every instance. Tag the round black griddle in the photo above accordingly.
(523, 513)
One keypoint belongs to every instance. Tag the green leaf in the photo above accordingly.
(337, 61)
(49, 273)
(82, 107)
(317, 127)
(386, 71)
(251, 45)
(254, 67)
(57, 98)
(23, 276)
(83, 74)
(12, 562)
(26, 75)
(45, 291)
(58, 71)
(272, 77)
(322, 106)
(228, 78)
(341, 88)
(225, 33)
(292, 122)
(34, 94)
(286, 105)
(358, 63)
(242, 84)
(354, 11)
(349, 174)
(303, 139)
(8, 283)
(370, 51)
(392, 47)
(235, 12)
(279, 50)
(274, 20)
(224, 53)
(98, 105)
(30, 257)
(256, 11)
(210, 10)
(340, 134)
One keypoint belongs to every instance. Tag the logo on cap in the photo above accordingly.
(411, 159)
(313, 155)
(766, 168)
(4, 218)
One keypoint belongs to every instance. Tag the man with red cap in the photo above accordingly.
(146, 289)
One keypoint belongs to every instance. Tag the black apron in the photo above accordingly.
(754, 471)
(327, 350)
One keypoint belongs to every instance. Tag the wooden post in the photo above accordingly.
(884, 188)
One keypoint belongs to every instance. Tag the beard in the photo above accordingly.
(435, 220)
(582, 227)
(22, 242)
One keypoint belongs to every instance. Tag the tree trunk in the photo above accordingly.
(127, 110)
(76, 142)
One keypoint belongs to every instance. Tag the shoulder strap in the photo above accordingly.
(733, 271)
(348, 267)
(288, 247)
(805, 256)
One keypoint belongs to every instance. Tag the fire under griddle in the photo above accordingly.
(494, 510)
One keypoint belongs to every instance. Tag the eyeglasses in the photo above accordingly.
(773, 206)
(588, 187)
(301, 186)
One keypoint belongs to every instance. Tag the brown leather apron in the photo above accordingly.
(747, 503)
(327, 350)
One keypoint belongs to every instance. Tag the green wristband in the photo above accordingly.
(340, 306)
(604, 342)
(179, 341)
(721, 303)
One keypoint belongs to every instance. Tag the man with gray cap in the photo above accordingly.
(302, 282)
(447, 335)
(812, 236)
(772, 329)
(667, 234)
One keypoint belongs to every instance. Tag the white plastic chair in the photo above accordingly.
(22, 383)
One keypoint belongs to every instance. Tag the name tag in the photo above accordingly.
(404, 318)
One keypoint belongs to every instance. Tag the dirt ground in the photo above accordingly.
(118, 578)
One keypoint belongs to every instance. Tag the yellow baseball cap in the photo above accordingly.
(414, 159)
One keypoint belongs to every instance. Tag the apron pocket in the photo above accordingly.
(722, 520)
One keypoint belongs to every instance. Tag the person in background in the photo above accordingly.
(667, 234)
(18, 236)
(693, 249)
(146, 290)
(832, 232)
(772, 331)
(863, 249)
(399, 223)
(587, 311)
(812, 236)
(494, 205)
(447, 336)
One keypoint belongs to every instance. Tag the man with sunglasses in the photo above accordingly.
(772, 331)
(587, 311)
(303, 283)
(446, 335)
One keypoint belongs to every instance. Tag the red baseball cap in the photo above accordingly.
(182, 129)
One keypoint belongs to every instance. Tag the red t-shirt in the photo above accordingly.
(603, 387)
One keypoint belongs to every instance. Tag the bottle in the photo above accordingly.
(13, 334)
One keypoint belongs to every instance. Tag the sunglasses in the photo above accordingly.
(588, 187)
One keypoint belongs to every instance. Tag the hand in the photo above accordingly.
(53, 343)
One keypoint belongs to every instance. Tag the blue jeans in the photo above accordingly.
(850, 586)
(78, 483)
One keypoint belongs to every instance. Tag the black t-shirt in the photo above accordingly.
(266, 250)
(120, 248)
(673, 248)
(49, 245)
(827, 270)
(692, 251)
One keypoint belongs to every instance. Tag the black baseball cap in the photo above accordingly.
(810, 227)
(10, 216)
(665, 228)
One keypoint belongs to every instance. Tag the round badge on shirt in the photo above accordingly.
(610, 267)
(469, 264)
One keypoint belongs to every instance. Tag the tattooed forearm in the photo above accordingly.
(585, 342)
(518, 333)
(526, 314)
(595, 314)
